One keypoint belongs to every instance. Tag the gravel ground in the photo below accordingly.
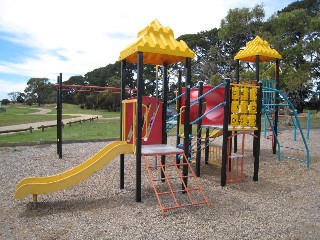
(283, 204)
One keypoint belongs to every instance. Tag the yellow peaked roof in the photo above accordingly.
(257, 47)
(158, 45)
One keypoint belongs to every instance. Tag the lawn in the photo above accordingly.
(97, 129)
(19, 114)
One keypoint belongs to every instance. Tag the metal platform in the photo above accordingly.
(231, 128)
(159, 149)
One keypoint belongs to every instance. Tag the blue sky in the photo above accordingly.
(43, 38)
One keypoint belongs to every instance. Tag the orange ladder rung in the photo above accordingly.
(183, 197)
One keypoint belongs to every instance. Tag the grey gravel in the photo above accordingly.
(283, 204)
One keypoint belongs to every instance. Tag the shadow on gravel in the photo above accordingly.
(70, 206)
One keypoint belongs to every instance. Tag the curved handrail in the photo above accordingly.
(295, 115)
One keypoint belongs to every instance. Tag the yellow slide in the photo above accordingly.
(214, 133)
(54, 183)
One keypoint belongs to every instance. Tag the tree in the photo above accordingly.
(109, 101)
(204, 64)
(5, 101)
(311, 6)
(14, 96)
(21, 98)
(40, 90)
(298, 42)
(236, 29)
(70, 95)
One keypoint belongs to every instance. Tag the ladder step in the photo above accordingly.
(162, 179)
(190, 185)
(298, 149)
(183, 205)
(167, 165)
(274, 104)
(293, 158)
(236, 156)
(178, 190)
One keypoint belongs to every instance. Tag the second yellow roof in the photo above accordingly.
(257, 47)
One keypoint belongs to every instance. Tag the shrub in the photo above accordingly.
(5, 101)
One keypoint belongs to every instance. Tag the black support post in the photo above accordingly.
(225, 134)
(206, 150)
(235, 139)
(199, 126)
(122, 97)
(276, 114)
(59, 117)
(178, 111)
(164, 113)
(186, 126)
(256, 140)
(139, 124)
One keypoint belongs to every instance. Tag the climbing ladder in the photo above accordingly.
(278, 98)
(235, 163)
(172, 187)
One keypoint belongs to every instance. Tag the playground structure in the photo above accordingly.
(232, 110)
(138, 135)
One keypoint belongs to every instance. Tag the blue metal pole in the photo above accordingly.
(308, 124)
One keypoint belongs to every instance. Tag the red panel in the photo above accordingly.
(154, 134)
(212, 100)
(152, 127)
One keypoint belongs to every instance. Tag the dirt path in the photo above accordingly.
(42, 111)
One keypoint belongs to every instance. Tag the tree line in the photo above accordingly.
(293, 32)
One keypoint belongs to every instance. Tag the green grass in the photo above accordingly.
(314, 122)
(19, 114)
(97, 129)
(16, 115)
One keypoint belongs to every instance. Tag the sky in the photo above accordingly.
(42, 38)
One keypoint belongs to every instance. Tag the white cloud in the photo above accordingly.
(77, 36)
(7, 87)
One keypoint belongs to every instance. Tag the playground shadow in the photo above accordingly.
(46, 208)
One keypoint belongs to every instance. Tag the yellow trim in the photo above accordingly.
(145, 120)
(244, 85)
(180, 120)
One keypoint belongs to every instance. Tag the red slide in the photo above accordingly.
(211, 100)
